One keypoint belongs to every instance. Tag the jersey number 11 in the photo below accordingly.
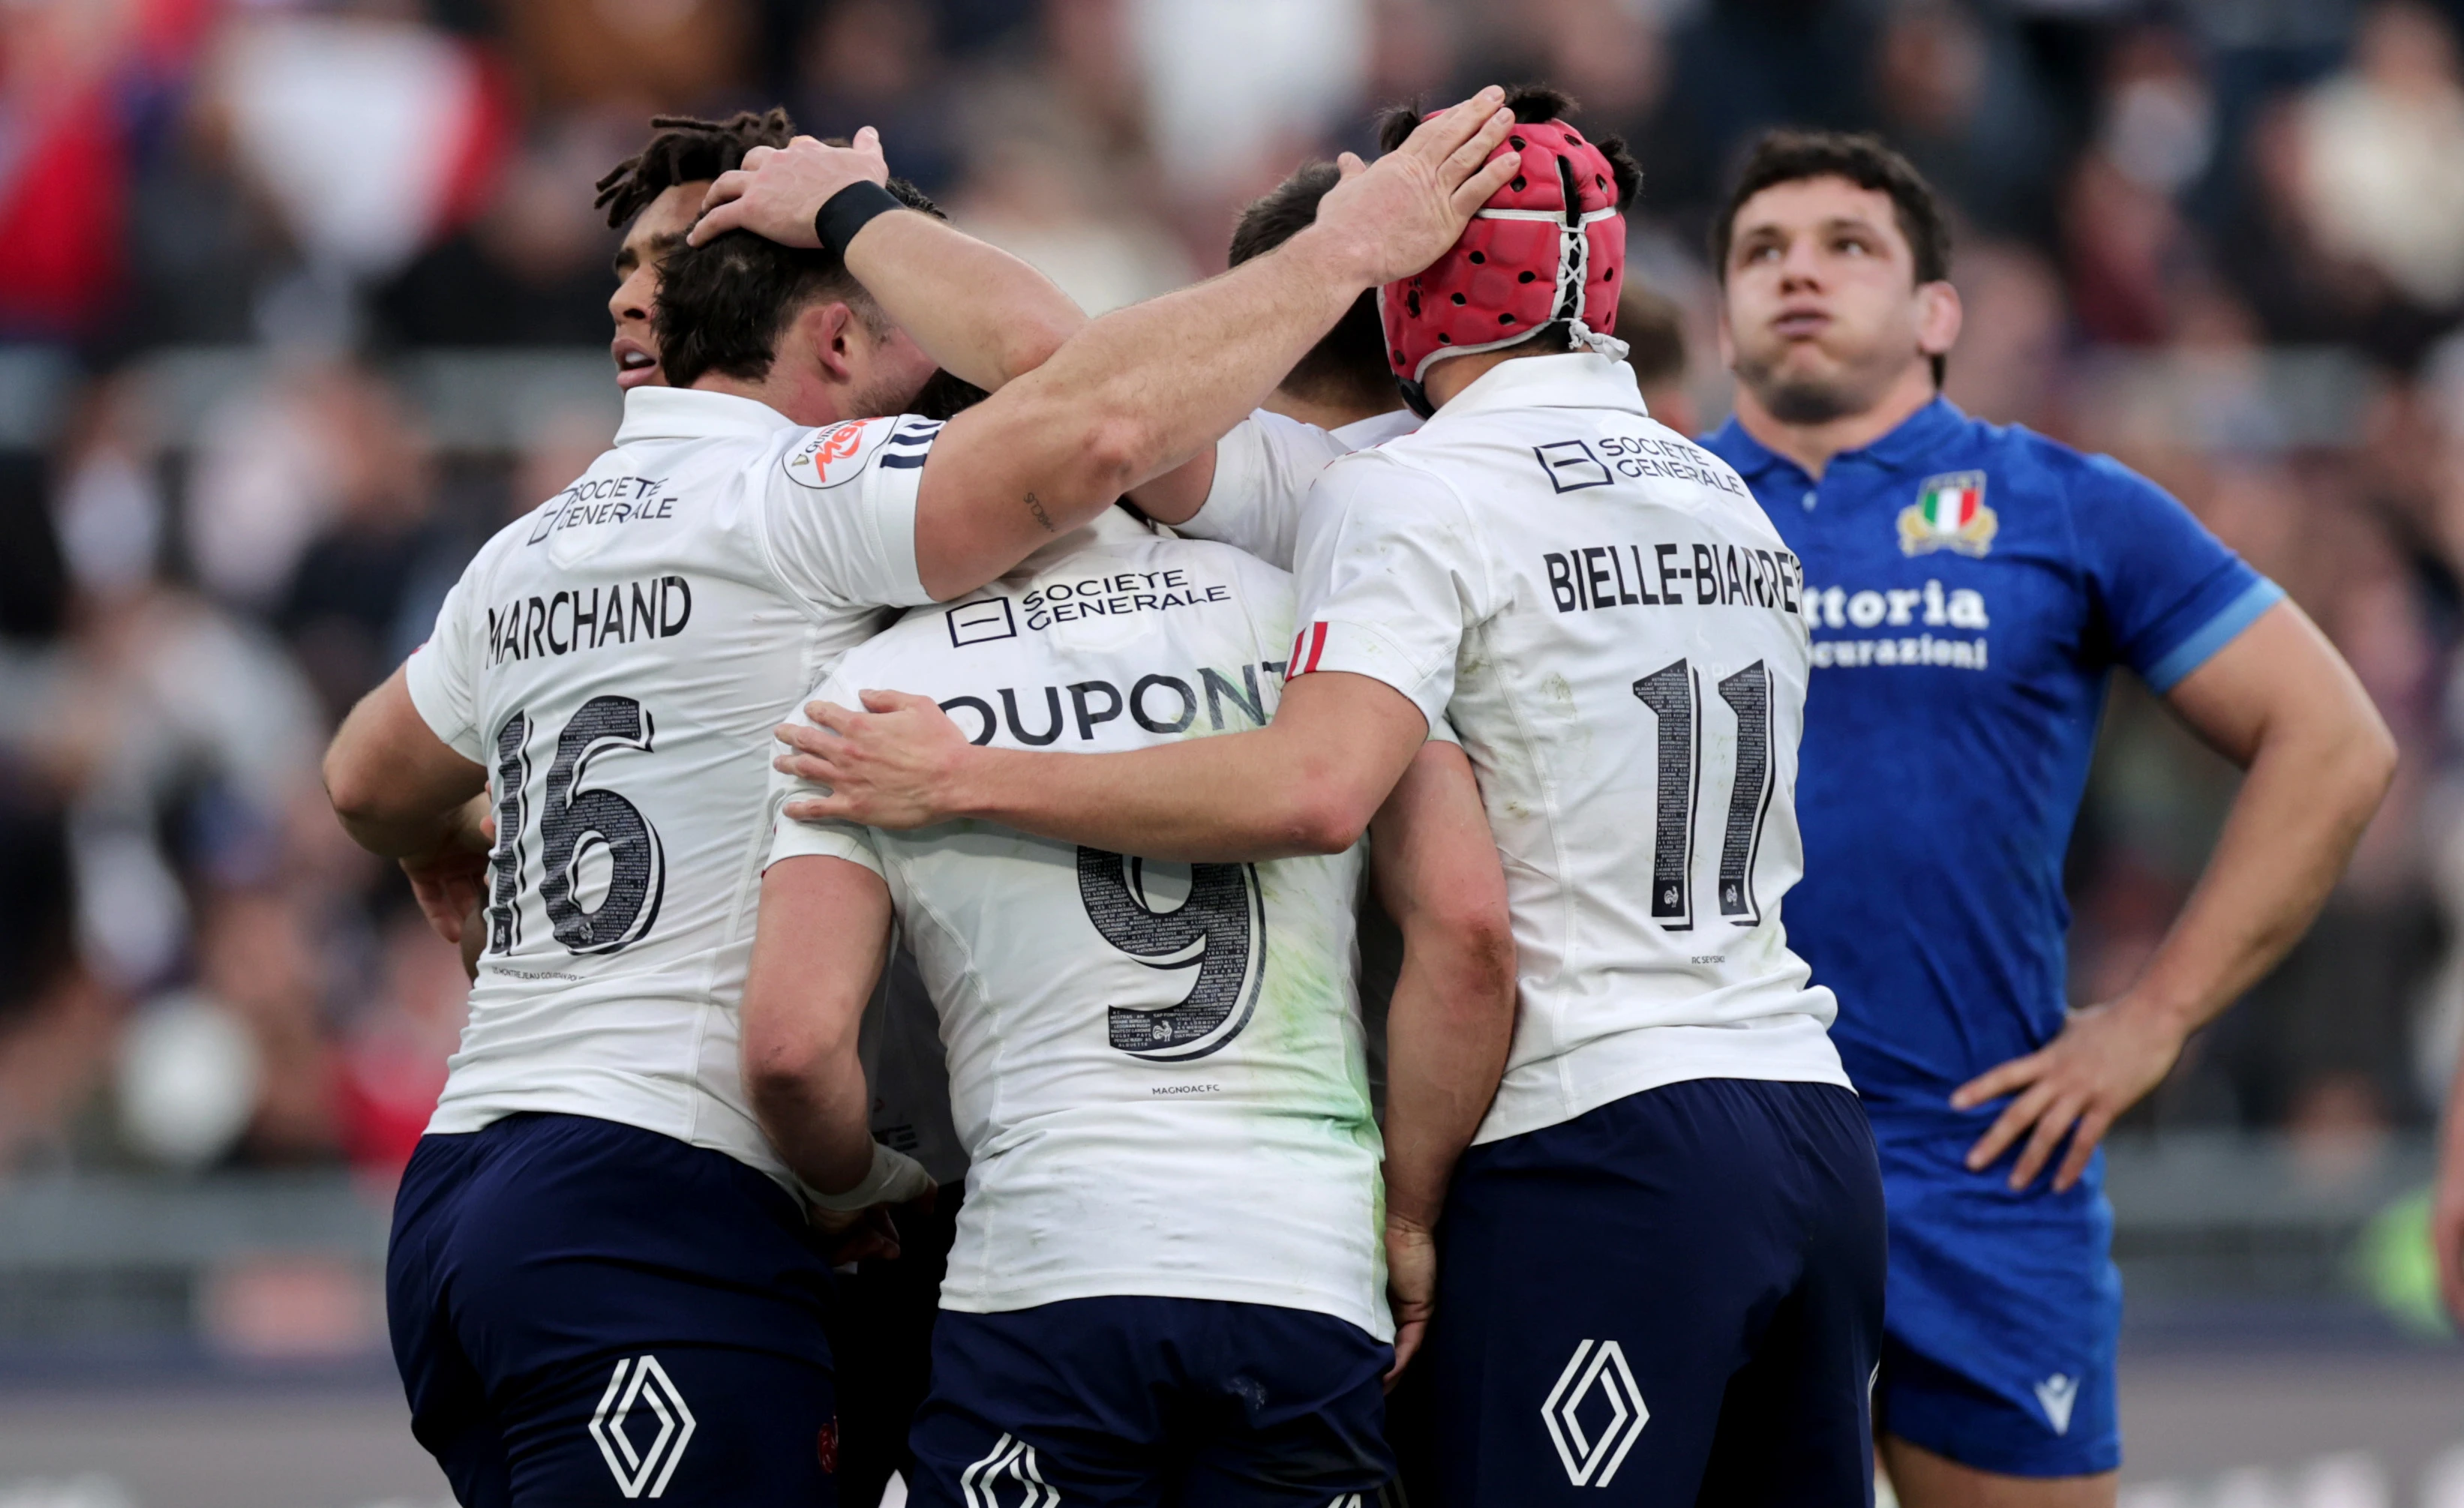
(1673, 694)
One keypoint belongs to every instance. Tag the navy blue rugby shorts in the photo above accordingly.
(1144, 1402)
(590, 1313)
(1676, 1298)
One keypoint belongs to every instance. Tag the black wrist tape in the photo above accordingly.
(849, 210)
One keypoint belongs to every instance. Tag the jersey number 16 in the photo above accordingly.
(574, 822)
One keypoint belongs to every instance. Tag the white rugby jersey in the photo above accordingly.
(1264, 468)
(1618, 634)
(618, 660)
(1157, 1067)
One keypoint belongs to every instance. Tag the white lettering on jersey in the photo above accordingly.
(1843, 607)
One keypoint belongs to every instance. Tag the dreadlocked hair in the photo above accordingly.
(686, 149)
(1531, 104)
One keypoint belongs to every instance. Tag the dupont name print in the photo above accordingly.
(1038, 716)
(1594, 576)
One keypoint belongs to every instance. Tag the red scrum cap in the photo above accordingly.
(1549, 246)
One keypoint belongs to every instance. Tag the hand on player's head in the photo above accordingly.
(1396, 216)
(889, 766)
(779, 189)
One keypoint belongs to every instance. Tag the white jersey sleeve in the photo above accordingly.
(1388, 585)
(790, 839)
(839, 514)
(1262, 471)
(442, 674)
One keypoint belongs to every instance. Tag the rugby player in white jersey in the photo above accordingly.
(1166, 1282)
(1660, 1264)
(889, 1265)
(601, 1282)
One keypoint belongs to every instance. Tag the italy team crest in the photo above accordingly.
(1950, 514)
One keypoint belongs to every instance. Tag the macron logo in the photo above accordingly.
(2057, 1393)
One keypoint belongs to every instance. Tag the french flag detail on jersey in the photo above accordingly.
(1306, 645)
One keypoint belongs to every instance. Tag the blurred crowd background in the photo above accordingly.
(298, 302)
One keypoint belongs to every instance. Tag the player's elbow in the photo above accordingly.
(1115, 453)
(2368, 761)
(1030, 341)
(353, 786)
(1319, 818)
(1480, 936)
(780, 1066)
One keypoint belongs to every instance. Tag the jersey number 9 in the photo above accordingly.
(1221, 931)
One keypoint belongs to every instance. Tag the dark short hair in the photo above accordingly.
(1653, 329)
(1532, 103)
(685, 149)
(1788, 157)
(724, 304)
(1349, 362)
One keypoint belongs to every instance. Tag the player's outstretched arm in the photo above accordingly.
(404, 793)
(984, 314)
(1140, 390)
(1306, 783)
(2281, 702)
(1452, 1018)
(817, 954)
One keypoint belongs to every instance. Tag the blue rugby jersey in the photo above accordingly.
(1969, 586)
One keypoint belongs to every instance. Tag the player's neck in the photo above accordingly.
(1812, 446)
(796, 394)
(1327, 413)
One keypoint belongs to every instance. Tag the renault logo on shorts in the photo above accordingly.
(643, 1386)
(1012, 1462)
(1592, 1461)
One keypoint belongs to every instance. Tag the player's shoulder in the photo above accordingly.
(1231, 560)
(2030, 458)
(1175, 570)
(526, 530)
(832, 456)
(2080, 485)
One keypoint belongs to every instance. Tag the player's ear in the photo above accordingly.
(830, 330)
(1939, 315)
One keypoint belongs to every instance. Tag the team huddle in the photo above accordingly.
(914, 807)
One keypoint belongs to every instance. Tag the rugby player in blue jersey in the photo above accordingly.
(1970, 587)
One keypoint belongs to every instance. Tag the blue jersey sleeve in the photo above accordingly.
(2170, 593)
